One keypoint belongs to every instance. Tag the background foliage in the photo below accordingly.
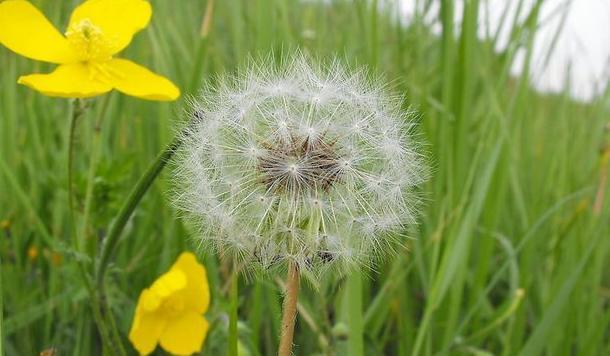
(510, 256)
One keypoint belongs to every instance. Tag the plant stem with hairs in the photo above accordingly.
(130, 204)
(117, 227)
(78, 112)
(83, 241)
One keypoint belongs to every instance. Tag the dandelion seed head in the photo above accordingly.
(299, 163)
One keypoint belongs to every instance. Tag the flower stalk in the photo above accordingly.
(289, 312)
(83, 241)
(78, 112)
(129, 206)
(116, 229)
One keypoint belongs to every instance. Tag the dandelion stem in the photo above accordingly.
(289, 312)
(233, 339)
(307, 317)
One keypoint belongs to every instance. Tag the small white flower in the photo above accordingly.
(298, 163)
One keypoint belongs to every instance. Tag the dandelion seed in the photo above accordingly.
(299, 164)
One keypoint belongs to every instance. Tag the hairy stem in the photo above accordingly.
(78, 112)
(117, 227)
(134, 198)
(83, 240)
(108, 346)
(289, 312)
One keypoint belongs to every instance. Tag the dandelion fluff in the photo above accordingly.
(299, 163)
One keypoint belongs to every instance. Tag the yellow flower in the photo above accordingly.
(98, 29)
(32, 253)
(5, 224)
(170, 311)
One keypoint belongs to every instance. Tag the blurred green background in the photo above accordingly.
(511, 253)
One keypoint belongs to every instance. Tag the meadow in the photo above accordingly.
(510, 255)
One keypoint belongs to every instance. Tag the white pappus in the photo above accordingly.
(301, 163)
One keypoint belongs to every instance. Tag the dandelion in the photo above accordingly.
(97, 31)
(301, 167)
(170, 311)
(300, 164)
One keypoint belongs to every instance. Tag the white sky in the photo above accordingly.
(582, 53)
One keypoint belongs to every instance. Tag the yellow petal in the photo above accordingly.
(197, 292)
(67, 81)
(149, 301)
(169, 283)
(145, 330)
(26, 31)
(185, 335)
(119, 20)
(135, 80)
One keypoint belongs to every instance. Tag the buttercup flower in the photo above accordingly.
(97, 31)
(294, 163)
(170, 311)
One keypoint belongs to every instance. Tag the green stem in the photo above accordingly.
(83, 239)
(78, 112)
(89, 244)
(233, 338)
(289, 310)
(114, 330)
(1, 315)
(117, 227)
(134, 198)
(96, 308)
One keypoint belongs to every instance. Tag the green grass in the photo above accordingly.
(510, 256)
